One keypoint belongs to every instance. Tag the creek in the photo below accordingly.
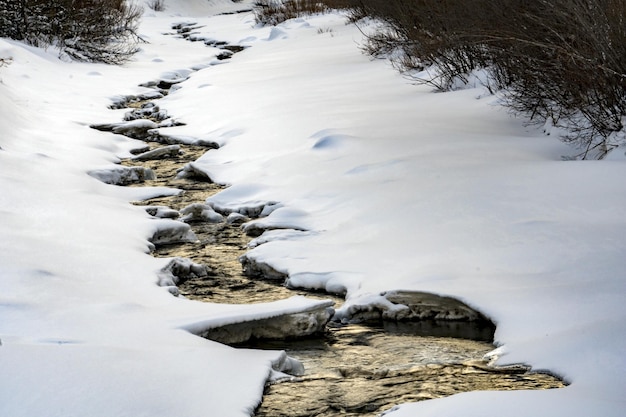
(351, 369)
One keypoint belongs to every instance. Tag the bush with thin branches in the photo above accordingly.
(88, 30)
(559, 61)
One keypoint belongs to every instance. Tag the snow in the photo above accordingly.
(379, 185)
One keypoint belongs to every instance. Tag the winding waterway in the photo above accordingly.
(349, 369)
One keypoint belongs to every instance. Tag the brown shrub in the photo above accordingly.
(273, 12)
(90, 30)
(557, 60)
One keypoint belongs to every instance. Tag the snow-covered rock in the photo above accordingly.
(162, 212)
(258, 269)
(169, 78)
(178, 270)
(136, 129)
(409, 306)
(190, 170)
(122, 175)
(172, 231)
(158, 153)
(277, 217)
(121, 102)
(301, 324)
(236, 218)
(169, 138)
(200, 212)
(148, 110)
(286, 365)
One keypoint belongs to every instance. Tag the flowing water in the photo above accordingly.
(350, 369)
(361, 370)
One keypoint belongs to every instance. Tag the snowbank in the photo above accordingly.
(382, 186)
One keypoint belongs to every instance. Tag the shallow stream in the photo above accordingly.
(361, 370)
(350, 369)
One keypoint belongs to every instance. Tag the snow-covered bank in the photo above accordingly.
(396, 187)
(84, 328)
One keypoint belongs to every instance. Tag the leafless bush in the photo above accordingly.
(562, 61)
(157, 5)
(273, 12)
(90, 30)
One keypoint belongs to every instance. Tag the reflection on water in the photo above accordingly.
(472, 330)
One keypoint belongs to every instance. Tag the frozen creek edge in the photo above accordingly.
(398, 306)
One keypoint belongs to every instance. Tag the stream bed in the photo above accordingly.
(360, 370)
(350, 369)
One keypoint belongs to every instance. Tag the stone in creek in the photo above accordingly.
(140, 149)
(179, 270)
(123, 175)
(283, 326)
(171, 232)
(236, 218)
(255, 269)
(182, 139)
(286, 365)
(233, 48)
(252, 209)
(121, 102)
(256, 229)
(147, 111)
(158, 153)
(423, 305)
(200, 212)
(162, 212)
(415, 306)
(136, 129)
(168, 79)
(224, 55)
(184, 26)
(191, 171)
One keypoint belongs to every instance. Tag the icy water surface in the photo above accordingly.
(350, 369)
(361, 371)
(355, 369)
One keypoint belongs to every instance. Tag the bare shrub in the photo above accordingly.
(562, 61)
(89, 30)
(273, 12)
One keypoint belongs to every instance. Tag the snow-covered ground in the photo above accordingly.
(397, 187)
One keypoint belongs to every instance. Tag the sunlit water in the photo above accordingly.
(351, 370)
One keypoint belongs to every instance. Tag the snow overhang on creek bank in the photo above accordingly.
(402, 188)
(291, 318)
